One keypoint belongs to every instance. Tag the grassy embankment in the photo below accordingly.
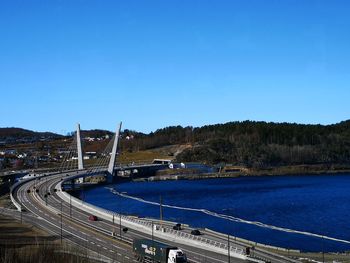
(22, 242)
(25, 243)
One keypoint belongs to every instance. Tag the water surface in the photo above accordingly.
(313, 204)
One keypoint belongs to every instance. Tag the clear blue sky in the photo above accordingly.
(158, 63)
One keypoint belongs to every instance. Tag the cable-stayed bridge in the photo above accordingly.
(106, 165)
(44, 201)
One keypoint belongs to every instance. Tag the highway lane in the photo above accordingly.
(73, 232)
(97, 235)
(192, 253)
(77, 229)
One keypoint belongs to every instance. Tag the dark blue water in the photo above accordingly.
(314, 204)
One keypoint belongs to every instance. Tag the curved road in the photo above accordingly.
(71, 224)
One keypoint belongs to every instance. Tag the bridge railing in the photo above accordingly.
(13, 200)
(145, 226)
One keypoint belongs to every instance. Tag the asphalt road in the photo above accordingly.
(95, 237)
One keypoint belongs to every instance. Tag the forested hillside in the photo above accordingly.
(19, 133)
(253, 144)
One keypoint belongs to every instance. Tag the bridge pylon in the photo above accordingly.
(110, 171)
(79, 149)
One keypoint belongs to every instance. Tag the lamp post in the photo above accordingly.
(228, 248)
(322, 249)
(70, 207)
(61, 223)
(113, 228)
(120, 225)
(160, 211)
(152, 243)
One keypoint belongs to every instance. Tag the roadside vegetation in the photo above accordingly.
(23, 243)
(42, 254)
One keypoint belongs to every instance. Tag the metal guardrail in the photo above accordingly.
(144, 225)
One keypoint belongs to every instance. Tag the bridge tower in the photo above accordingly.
(79, 149)
(111, 165)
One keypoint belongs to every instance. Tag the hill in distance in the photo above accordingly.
(247, 143)
(19, 133)
(253, 144)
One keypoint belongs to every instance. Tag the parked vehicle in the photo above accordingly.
(148, 250)
(92, 218)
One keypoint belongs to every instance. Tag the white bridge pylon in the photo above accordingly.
(111, 164)
(79, 149)
(112, 161)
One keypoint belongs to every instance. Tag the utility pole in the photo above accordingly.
(322, 249)
(228, 248)
(70, 207)
(113, 228)
(152, 243)
(61, 223)
(161, 211)
(120, 225)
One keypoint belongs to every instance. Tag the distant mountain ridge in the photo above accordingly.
(254, 144)
(17, 133)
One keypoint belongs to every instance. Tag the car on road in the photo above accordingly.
(177, 227)
(92, 218)
(195, 232)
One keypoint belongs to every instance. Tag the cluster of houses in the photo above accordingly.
(11, 158)
(23, 140)
(93, 139)
(31, 157)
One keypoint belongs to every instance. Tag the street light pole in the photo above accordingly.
(61, 223)
(160, 211)
(322, 249)
(152, 243)
(228, 248)
(70, 207)
(120, 225)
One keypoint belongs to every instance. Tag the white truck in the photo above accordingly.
(146, 250)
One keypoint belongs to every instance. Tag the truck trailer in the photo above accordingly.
(146, 250)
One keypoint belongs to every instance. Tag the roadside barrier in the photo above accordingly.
(145, 226)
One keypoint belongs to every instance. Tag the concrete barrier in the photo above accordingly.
(13, 200)
(145, 226)
(252, 243)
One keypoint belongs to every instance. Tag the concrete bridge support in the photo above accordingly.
(79, 149)
(110, 171)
